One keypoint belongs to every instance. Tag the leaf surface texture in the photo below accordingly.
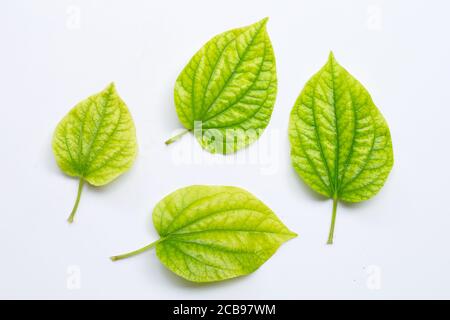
(229, 86)
(96, 141)
(340, 143)
(213, 233)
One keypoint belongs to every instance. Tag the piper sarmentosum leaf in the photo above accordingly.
(226, 93)
(340, 143)
(96, 141)
(213, 233)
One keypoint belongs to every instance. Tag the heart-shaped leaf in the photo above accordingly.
(340, 142)
(96, 141)
(227, 91)
(212, 233)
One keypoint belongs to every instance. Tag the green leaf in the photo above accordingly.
(96, 140)
(340, 143)
(227, 91)
(213, 233)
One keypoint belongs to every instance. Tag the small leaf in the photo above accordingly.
(213, 233)
(227, 91)
(96, 141)
(340, 143)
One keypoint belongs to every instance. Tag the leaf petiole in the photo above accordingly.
(333, 221)
(177, 137)
(77, 201)
(136, 252)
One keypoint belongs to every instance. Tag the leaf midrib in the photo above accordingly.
(350, 154)
(97, 130)
(174, 235)
(214, 70)
(232, 74)
(245, 93)
(319, 141)
(209, 215)
(336, 157)
(102, 149)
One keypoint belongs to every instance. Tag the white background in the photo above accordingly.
(55, 53)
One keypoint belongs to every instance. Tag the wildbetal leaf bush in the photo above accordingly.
(96, 141)
(226, 93)
(340, 143)
(213, 233)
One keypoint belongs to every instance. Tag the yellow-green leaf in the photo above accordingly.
(96, 140)
(227, 91)
(340, 143)
(213, 233)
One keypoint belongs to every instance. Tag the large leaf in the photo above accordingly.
(212, 233)
(96, 141)
(227, 91)
(340, 142)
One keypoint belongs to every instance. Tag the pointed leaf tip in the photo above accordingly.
(264, 21)
(111, 87)
(261, 22)
(331, 56)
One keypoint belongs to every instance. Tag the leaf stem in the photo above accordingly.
(333, 221)
(177, 137)
(77, 201)
(136, 252)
